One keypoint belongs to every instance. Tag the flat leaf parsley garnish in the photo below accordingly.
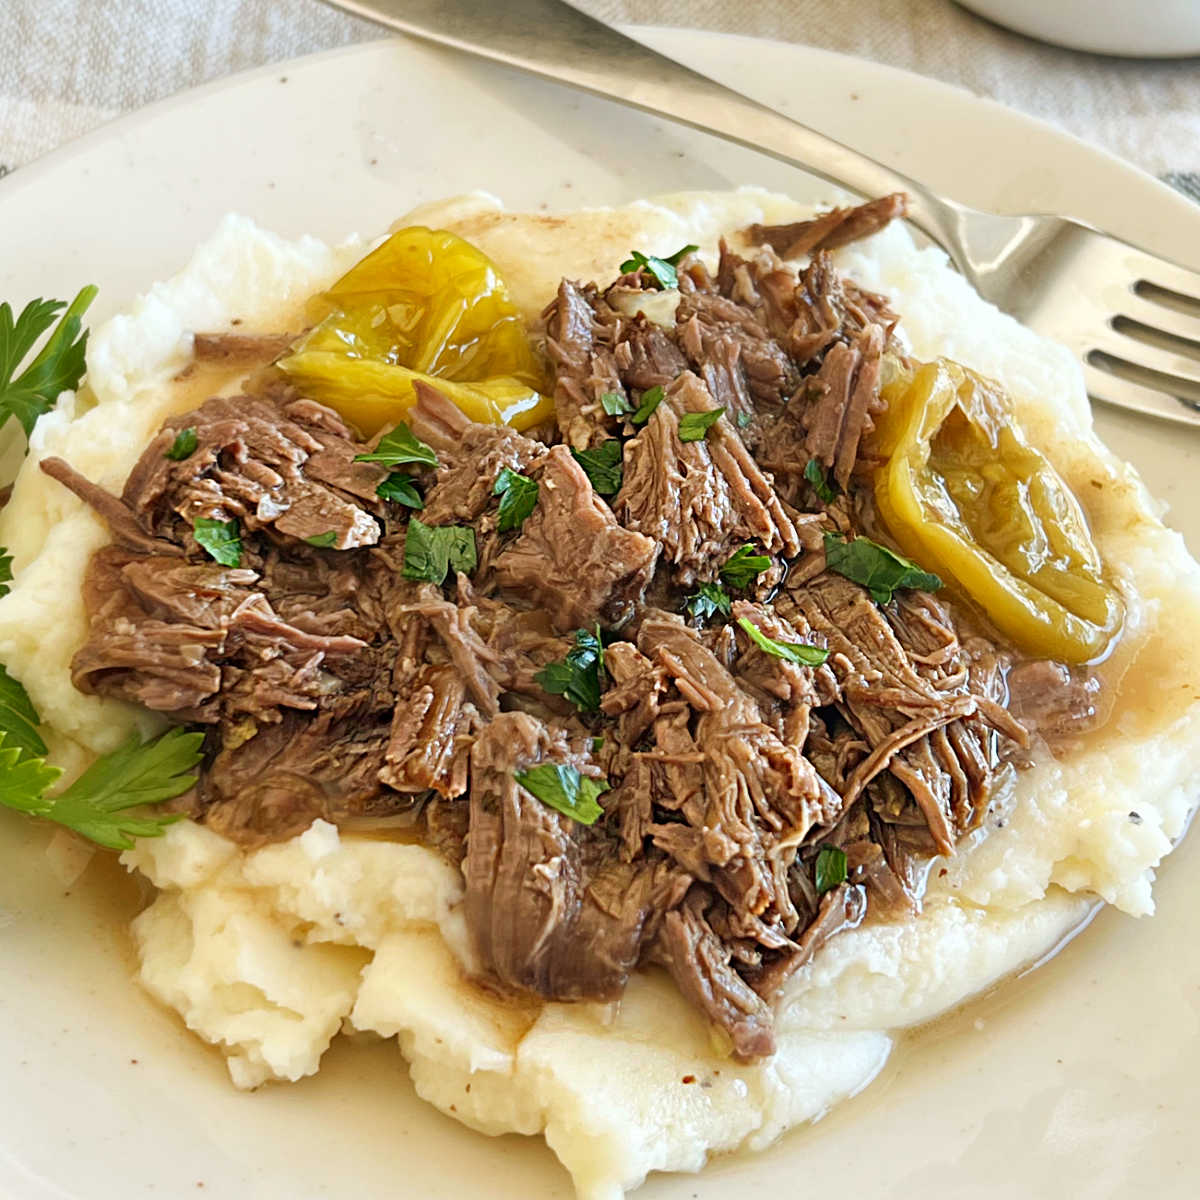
(399, 447)
(57, 367)
(880, 570)
(322, 541)
(580, 676)
(430, 551)
(694, 425)
(518, 495)
(743, 566)
(661, 270)
(651, 399)
(603, 466)
(222, 540)
(615, 404)
(831, 868)
(800, 653)
(184, 445)
(708, 600)
(564, 789)
(18, 718)
(400, 489)
(98, 804)
(5, 570)
(815, 474)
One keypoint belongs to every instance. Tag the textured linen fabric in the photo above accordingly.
(68, 65)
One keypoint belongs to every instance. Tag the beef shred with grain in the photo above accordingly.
(331, 686)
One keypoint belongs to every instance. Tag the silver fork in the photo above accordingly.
(1132, 317)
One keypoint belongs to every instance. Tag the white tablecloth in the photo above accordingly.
(68, 65)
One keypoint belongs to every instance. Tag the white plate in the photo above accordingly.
(1078, 1082)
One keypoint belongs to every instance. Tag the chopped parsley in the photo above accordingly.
(815, 474)
(580, 676)
(615, 404)
(744, 419)
(518, 495)
(431, 551)
(221, 539)
(831, 868)
(880, 570)
(800, 653)
(708, 600)
(651, 399)
(564, 789)
(603, 466)
(400, 489)
(184, 445)
(399, 447)
(323, 541)
(661, 270)
(596, 745)
(743, 566)
(57, 367)
(694, 425)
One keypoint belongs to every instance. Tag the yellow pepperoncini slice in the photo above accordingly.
(963, 493)
(424, 305)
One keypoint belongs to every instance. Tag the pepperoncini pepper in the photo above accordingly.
(964, 494)
(424, 305)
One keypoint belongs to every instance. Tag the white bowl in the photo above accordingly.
(1130, 28)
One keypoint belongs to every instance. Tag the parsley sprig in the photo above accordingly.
(57, 367)
(100, 804)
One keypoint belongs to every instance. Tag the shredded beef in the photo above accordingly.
(330, 685)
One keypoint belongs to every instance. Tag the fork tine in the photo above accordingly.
(1162, 318)
(1102, 385)
(1146, 268)
(1181, 371)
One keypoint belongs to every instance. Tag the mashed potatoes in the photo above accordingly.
(270, 953)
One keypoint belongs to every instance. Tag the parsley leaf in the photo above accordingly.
(562, 788)
(518, 495)
(184, 445)
(603, 466)
(708, 600)
(815, 474)
(596, 745)
(129, 777)
(878, 569)
(400, 489)
(398, 447)
(221, 539)
(59, 365)
(430, 551)
(744, 419)
(18, 718)
(323, 541)
(651, 399)
(615, 404)
(743, 566)
(5, 570)
(580, 676)
(661, 270)
(694, 425)
(97, 804)
(800, 653)
(831, 868)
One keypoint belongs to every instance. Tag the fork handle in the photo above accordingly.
(555, 41)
